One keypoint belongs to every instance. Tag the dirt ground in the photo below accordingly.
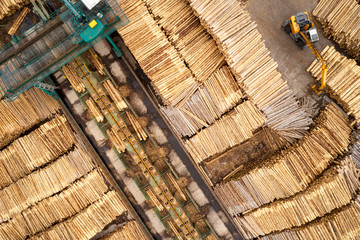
(293, 62)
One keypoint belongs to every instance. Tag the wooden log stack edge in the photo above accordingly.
(335, 188)
(256, 72)
(293, 169)
(130, 231)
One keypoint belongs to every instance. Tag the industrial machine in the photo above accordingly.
(305, 34)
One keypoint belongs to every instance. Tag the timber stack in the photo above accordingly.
(340, 21)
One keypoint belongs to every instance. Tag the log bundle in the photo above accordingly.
(189, 37)
(8, 7)
(115, 95)
(18, 21)
(160, 61)
(232, 129)
(43, 183)
(95, 61)
(116, 138)
(256, 72)
(140, 132)
(341, 224)
(34, 150)
(67, 203)
(88, 223)
(29, 109)
(340, 21)
(94, 109)
(130, 231)
(342, 80)
(299, 165)
(74, 78)
(218, 94)
(335, 188)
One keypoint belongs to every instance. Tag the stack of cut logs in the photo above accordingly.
(217, 96)
(18, 21)
(342, 80)
(340, 21)
(140, 132)
(115, 137)
(95, 61)
(335, 188)
(115, 95)
(34, 150)
(249, 60)
(74, 78)
(131, 231)
(185, 32)
(232, 129)
(8, 7)
(340, 224)
(94, 109)
(298, 165)
(23, 113)
(160, 61)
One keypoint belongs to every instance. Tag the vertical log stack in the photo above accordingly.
(342, 80)
(340, 20)
(245, 52)
(8, 7)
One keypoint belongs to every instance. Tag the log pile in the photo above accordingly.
(341, 224)
(116, 138)
(34, 150)
(340, 21)
(115, 95)
(299, 165)
(74, 78)
(130, 231)
(88, 223)
(342, 80)
(189, 37)
(95, 61)
(256, 72)
(26, 111)
(94, 109)
(43, 183)
(334, 189)
(140, 132)
(67, 203)
(18, 21)
(232, 129)
(8, 7)
(160, 61)
(218, 94)
(356, 154)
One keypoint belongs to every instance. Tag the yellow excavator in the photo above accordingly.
(305, 34)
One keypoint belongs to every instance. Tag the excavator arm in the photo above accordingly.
(324, 65)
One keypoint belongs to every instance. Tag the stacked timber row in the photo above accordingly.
(256, 72)
(356, 154)
(340, 224)
(340, 21)
(9, 7)
(26, 111)
(232, 129)
(342, 80)
(131, 231)
(160, 61)
(335, 188)
(51, 187)
(299, 165)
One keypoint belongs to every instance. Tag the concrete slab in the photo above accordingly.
(293, 62)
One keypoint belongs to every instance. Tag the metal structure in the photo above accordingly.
(46, 47)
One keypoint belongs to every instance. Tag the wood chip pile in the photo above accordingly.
(343, 80)
(299, 165)
(131, 231)
(23, 113)
(185, 32)
(341, 224)
(230, 130)
(340, 20)
(9, 7)
(216, 96)
(256, 72)
(335, 188)
(160, 61)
